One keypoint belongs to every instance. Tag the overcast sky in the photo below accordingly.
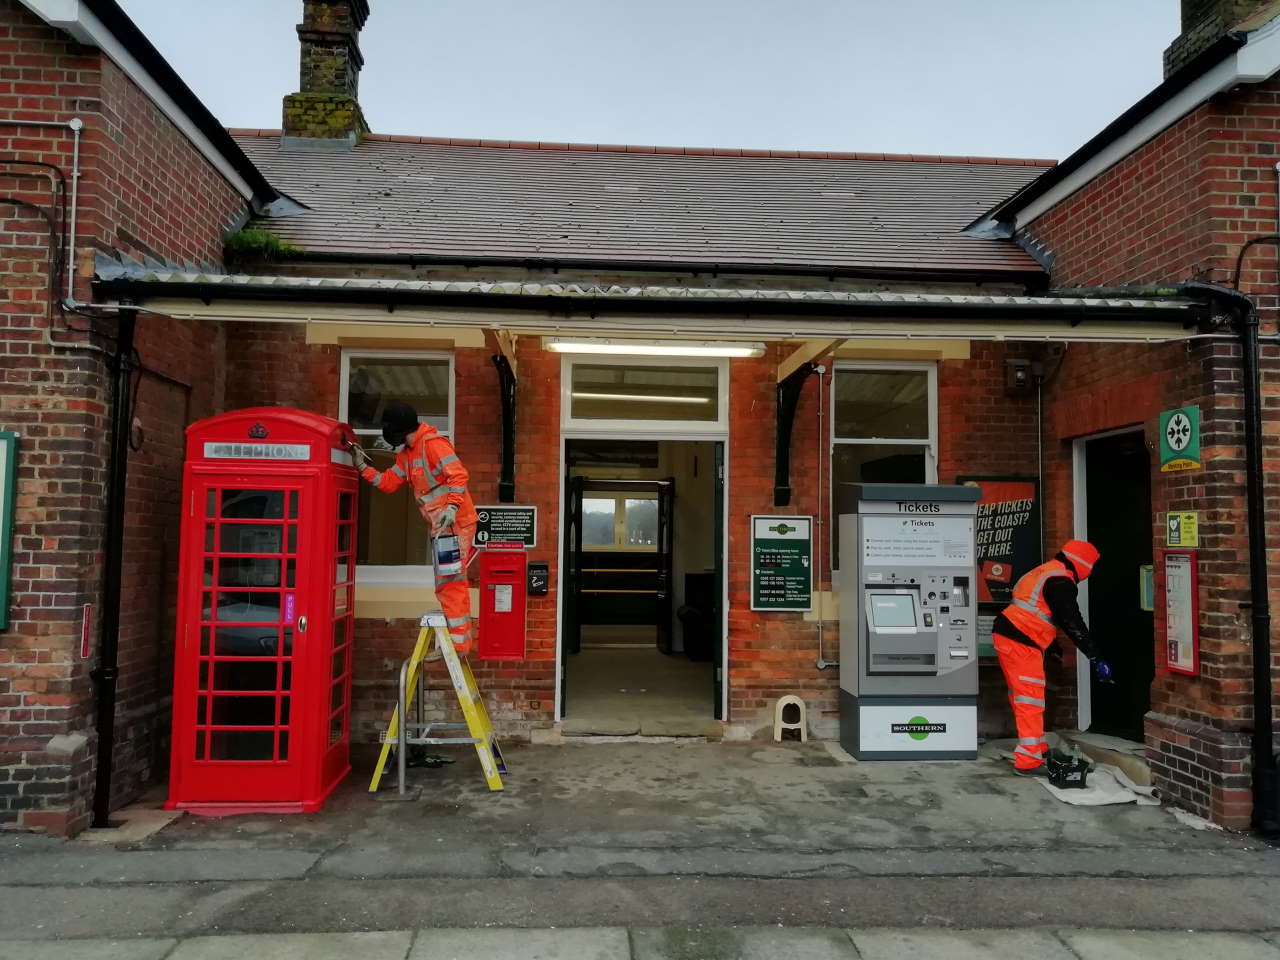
(1033, 78)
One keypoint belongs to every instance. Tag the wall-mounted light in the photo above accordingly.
(644, 398)
(653, 348)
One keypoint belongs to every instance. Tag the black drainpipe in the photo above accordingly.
(1266, 783)
(107, 672)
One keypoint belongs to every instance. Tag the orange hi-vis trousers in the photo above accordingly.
(1023, 668)
(454, 594)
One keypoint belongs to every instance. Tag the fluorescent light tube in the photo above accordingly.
(654, 348)
(580, 395)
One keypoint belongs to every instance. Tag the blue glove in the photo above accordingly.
(1102, 670)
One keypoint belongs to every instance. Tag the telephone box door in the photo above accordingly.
(248, 599)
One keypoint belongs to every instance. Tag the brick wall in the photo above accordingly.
(146, 191)
(1179, 208)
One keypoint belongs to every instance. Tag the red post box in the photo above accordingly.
(503, 592)
(262, 671)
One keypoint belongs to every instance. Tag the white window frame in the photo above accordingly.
(930, 443)
(620, 499)
(408, 574)
(645, 429)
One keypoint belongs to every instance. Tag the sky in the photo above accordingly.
(1021, 78)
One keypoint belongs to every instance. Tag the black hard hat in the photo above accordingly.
(399, 420)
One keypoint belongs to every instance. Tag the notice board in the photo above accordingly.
(1182, 611)
(507, 523)
(1008, 535)
(781, 563)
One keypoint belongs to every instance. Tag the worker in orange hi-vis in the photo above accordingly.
(427, 460)
(1044, 602)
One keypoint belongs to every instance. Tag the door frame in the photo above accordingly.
(567, 434)
(1080, 530)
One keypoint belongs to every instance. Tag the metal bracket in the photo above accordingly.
(789, 389)
(507, 398)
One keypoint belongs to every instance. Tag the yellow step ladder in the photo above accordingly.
(401, 733)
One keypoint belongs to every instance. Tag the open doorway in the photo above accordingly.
(643, 586)
(1113, 478)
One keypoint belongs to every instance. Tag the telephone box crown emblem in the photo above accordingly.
(258, 432)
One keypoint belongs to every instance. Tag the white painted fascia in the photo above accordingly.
(74, 18)
(1256, 61)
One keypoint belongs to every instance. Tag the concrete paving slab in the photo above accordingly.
(85, 949)
(598, 943)
(1147, 945)
(135, 824)
(383, 945)
(741, 943)
(411, 860)
(958, 945)
(85, 864)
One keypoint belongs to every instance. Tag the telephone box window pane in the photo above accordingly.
(205, 636)
(244, 711)
(208, 537)
(344, 506)
(344, 537)
(339, 663)
(206, 605)
(293, 539)
(286, 675)
(392, 532)
(291, 574)
(633, 392)
(202, 682)
(253, 504)
(248, 572)
(339, 632)
(293, 505)
(200, 744)
(421, 382)
(245, 641)
(642, 522)
(284, 745)
(202, 711)
(336, 698)
(597, 521)
(250, 538)
(288, 647)
(208, 573)
(241, 744)
(284, 711)
(244, 675)
(882, 404)
(256, 607)
(335, 727)
(211, 503)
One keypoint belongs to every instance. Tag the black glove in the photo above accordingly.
(361, 458)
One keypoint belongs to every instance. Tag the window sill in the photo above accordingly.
(406, 601)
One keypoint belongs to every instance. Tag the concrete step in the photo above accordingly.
(1127, 755)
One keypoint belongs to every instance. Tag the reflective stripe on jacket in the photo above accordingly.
(435, 473)
(1029, 611)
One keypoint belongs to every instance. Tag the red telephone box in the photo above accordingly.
(503, 589)
(262, 672)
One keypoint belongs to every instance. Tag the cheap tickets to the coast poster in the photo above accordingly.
(1007, 531)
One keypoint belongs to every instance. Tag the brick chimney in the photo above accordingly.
(325, 112)
(1203, 23)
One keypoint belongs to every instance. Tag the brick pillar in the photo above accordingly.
(326, 109)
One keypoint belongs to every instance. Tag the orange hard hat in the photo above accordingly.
(1082, 554)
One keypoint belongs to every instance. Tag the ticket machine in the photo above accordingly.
(908, 611)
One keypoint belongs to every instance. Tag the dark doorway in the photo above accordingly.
(1118, 509)
(642, 613)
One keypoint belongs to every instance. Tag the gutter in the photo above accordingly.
(1235, 59)
(103, 25)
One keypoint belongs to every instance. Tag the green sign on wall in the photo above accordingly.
(8, 495)
(781, 563)
(1180, 439)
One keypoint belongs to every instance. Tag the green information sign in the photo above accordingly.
(781, 563)
(1180, 439)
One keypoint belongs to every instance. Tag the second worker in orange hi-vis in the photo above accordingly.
(428, 462)
(1044, 602)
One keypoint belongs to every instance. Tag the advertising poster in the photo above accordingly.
(1007, 533)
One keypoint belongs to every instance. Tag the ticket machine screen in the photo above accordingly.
(893, 610)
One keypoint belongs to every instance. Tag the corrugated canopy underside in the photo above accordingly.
(454, 203)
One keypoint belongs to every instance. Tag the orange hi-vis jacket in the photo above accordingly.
(1029, 611)
(438, 477)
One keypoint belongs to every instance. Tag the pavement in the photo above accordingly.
(680, 849)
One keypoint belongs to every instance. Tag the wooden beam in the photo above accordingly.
(507, 344)
(810, 351)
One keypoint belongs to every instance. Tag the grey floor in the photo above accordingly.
(629, 691)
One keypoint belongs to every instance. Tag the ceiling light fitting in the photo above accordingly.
(653, 348)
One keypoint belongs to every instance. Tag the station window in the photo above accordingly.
(392, 540)
(606, 394)
(884, 423)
